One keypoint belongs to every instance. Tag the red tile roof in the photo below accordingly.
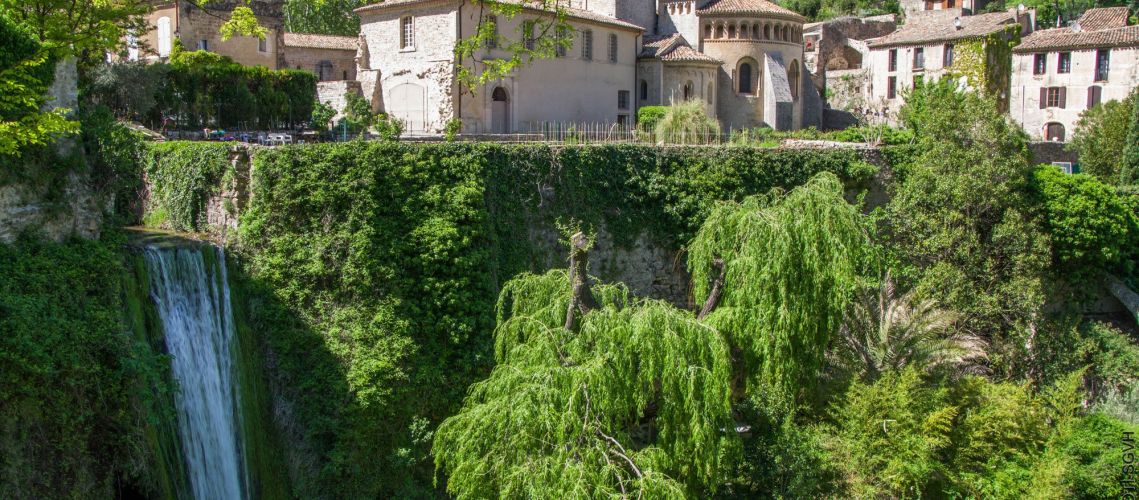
(674, 48)
(1104, 27)
(1066, 38)
(1103, 18)
(758, 7)
(932, 29)
(320, 41)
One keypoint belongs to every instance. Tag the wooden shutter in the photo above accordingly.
(1043, 97)
(1094, 95)
(1063, 97)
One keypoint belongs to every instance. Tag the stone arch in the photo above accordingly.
(689, 90)
(644, 90)
(731, 30)
(767, 31)
(720, 28)
(408, 103)
(707, 31)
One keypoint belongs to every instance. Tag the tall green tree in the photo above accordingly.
(26, 72)
(330, 17)
(962, 228)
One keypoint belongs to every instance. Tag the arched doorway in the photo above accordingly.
(1054, 132)
(499, 111)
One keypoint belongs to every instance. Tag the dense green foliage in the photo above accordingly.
(182, 176)
(329, 17)
(1093, 229)
(26, 72)
(821, 10)
(648, 116)
(372, 269)
(203, 89)
(1100, 138)
(1129, 165)
(75, 387)
(87, 30)
(637, 400)
(962, 227)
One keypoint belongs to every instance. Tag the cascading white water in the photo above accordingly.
(193, 303)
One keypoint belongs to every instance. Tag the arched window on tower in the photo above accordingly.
(767, 32)
(744, 84)
(793, 79)
(707, 31)
(689, 89)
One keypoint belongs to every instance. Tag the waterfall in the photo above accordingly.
(191, 295)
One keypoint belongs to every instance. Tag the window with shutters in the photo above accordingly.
(919, 58)
(891, 87)
(1095, 94)
(612, 48)
(407, 32)
(1102, 64)
(1052, 97)
(893, 62)
(587, 45)
(1064, 62)
(622, 99)
(1039, 64)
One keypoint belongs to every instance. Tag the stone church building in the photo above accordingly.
(742, 58)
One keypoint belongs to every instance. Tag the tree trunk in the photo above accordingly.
(717, 288)
(1129, 298)
(581, 300)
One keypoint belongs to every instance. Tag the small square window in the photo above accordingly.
(263, 45)
(1064, 62)
(203, 44)
(919, 58)
(622, 99)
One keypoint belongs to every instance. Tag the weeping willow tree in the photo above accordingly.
(596, 393)
(779, 270)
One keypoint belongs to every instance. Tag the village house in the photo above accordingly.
(332, 58)
(927, 47)
(742, 58)
(198, 27)
(1059, 73)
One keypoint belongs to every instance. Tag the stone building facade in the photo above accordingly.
(837, 54)
(1059, 73)
(199, 27)
(742, 58)
(332, 58)
(926, 47)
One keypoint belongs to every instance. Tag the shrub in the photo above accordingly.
(648, 116)
(322, 115)
(687, 123)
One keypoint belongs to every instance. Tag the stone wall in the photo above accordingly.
(333, 94)
(58, 213)
(307, 58)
